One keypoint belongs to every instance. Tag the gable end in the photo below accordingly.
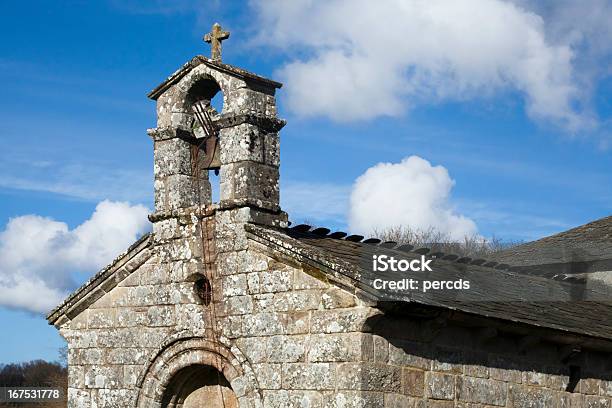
(102, 282)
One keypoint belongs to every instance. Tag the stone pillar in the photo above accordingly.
(179, 181)
(250, 157)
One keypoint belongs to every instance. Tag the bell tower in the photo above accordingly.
(240, 143)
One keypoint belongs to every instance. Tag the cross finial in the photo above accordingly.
(215, 37)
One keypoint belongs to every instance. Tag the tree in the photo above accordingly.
(473, 246)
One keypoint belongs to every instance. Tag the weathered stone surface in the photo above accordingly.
(87, 356)
(297, 301)
(303, 280)
(439, 404)
(131, 316)
(172, 156)
(337, 347)
(476, 370)
(238, 305)
(298, 322)
(335, 298)
(407, 353)
(276, 280)
(76, 375)
(264, 324)
(104, 376)
(557, 381)
(161, 316)
(299, 398)
(470, 389)
(131, 374)
(78, 398)
(381, 349)
(524, 397)
(287, 348)
(596, 402)
(245, 142)
(99, 318)
(440, 386)
(309, 376)
(234, 285)
(590, 386)
(398, 401)
(535, 378)
(255, 348)
(268, 376)
(355, 399)
(109, 398)
(252, 183)
(338, 321)
(369, 377)
(413, 381)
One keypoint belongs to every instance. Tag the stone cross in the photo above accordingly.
(215, 37)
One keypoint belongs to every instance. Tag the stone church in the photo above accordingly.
(227, 305)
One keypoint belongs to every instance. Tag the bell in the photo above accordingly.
(211, 142)
(211, 150)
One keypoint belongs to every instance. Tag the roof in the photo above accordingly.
(103, 281)
(225, 68)
(584, 249)
(496, 292)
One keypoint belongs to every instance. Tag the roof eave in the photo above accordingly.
(294, 248)
(226, 68)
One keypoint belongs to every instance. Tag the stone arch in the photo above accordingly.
(176, 364)
(205, 87)
(202, 74)
(174, 106)
(195, 384)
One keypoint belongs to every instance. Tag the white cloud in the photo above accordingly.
(38, 255)
(363, 59)
(412, 193)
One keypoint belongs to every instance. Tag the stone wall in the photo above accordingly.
(111, 341)
(297, 331)
(281, 328)
(454, 367)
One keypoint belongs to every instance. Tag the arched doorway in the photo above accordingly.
(193, 372)
(199, 386)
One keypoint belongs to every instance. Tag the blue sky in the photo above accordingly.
(74, 113)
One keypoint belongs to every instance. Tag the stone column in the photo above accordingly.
(249, 177)
(250, 157)
(178, 183)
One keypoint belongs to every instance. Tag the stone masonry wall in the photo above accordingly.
(451, 367)
(111, 342)
(293, 331)
(297, 331)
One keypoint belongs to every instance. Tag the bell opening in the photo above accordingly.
(215, 185)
